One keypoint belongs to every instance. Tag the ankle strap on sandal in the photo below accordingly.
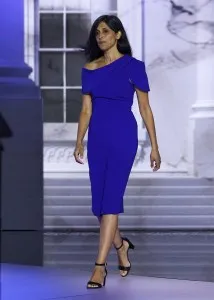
(117, 248)
(96, 264)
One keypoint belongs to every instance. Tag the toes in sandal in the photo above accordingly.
(97, 285)
(131, 246)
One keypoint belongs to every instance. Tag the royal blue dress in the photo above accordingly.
(112, 132)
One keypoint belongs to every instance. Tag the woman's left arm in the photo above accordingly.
(147, 116)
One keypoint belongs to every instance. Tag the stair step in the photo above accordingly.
(178, 181)
(135, 200)
(141, 251)
(186, 258)
(133, 210)
(132, 222)
(138, 265)
(153, 240)
(132, 190)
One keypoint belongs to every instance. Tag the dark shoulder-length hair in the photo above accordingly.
(92, 51)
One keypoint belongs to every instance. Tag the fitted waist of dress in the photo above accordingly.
(112, 103)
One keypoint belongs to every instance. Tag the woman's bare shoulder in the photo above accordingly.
(93, 64)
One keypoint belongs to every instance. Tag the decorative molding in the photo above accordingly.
(58, 158)
(58, 154)
(29, 35)
(64, 154)
(203, 110)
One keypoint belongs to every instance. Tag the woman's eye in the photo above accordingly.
(104, 31)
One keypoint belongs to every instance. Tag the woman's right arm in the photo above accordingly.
(84, 119)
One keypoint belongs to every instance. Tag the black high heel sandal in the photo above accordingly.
(131, 246)
(98, 285)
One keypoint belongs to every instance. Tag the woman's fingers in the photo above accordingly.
(78, 155)
(81, 151)
(155, 160)
(157, 165)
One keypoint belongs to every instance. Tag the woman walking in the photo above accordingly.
(109, 81)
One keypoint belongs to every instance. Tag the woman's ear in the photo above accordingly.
(118, 35)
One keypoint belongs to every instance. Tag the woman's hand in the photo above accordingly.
(155, 160)
(78, 153)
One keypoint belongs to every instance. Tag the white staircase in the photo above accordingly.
(182, 255)
(150, 203)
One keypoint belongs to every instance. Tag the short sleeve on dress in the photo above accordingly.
(85, 82)
(138, 75)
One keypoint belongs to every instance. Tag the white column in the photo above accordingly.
(14, 72)
(204, 106)
(131, 15)
(31, 24)
(201, 136)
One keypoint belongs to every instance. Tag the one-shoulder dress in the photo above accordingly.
(112, 131)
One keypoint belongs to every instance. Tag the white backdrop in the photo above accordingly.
(176, 40)
(179, 51)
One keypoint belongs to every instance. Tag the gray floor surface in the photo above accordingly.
(45, 283)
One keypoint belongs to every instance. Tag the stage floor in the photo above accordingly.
(57, 283)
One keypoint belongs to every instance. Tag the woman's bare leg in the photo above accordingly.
(117, 238)
(108, 226)
(122, 252)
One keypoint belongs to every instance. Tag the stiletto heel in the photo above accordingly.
(98, 285)
(131, 246)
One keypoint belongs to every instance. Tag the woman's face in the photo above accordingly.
(106, 37)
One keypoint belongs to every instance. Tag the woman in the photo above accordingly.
(109, 81)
